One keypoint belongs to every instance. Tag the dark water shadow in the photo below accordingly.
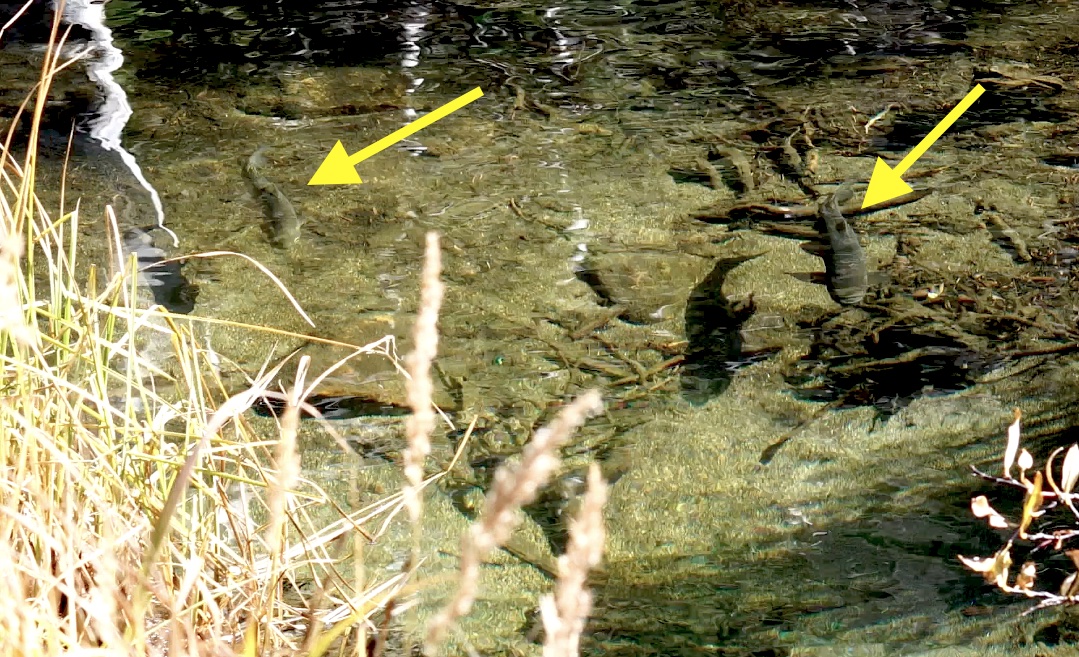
(896, 565)
(713, 333)
(997, 108)
(889, 369)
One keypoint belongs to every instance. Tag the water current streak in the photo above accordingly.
(413, 30)
(107, 126)
(564, 57)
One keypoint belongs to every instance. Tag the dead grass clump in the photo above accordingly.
(514, 486)
(139, 512)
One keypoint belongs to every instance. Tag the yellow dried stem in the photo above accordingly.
(1070, 473)
(1031, 504)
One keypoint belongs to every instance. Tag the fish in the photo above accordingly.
(165, 280)
(713, 334)
(844, 258)
(284, 223)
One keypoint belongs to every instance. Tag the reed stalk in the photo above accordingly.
(140, 512)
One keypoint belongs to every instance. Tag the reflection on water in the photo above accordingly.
(566, 199)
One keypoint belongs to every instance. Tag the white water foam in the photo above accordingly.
(113, 112)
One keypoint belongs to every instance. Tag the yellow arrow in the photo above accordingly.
(886, 182)
(339, 168)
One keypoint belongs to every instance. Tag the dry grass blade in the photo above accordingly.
(261, 267)
(228, 411)
(514, 486)
(1070, 474)
(420, 390)
(1011, 449)
(11, 21)
(130, 514)
(564, 613)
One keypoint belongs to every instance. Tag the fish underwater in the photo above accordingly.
(165, 280)
(284, 223)
(844, 258)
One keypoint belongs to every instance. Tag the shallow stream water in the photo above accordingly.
(603, 224)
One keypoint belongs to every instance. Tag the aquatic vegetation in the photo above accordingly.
(1046, 527)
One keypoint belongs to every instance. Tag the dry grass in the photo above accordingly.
(1048, 523)
(139, 512)
(566, 610)
(515, 485)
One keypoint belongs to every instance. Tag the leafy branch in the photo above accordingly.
(1042, 495)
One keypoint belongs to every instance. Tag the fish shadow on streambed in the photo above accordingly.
(888, 369)
(713, 333)
(162, 276)
(332, 407)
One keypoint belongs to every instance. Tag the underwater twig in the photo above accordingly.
(997, 221)
(742, 168)
(1058, 349)
(592, 325)
(722, 213)
(1027, 353)
(599, 366)
(642, 377)
(770, 452)
(715, 180)
(886, 363)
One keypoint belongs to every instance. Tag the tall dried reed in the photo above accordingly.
(565, 611)
(140, 513)
(420, 388)
(514, 486)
